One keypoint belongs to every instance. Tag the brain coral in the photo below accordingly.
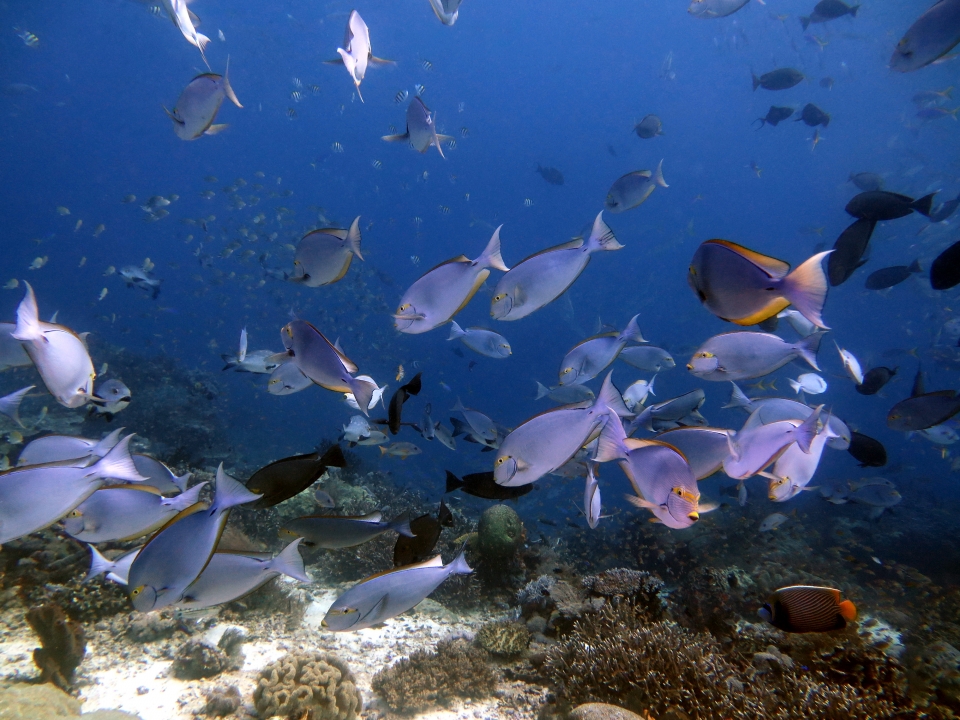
(317, 685)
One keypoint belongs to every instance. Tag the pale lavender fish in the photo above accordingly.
(589, 358)
(743, 355)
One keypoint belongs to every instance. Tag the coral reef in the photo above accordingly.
(222, 701)
(499, 532)
(425, 679)
(504, 637)
(645, 589)
(713, 598)
(308, 684)
(63, 645)
(555, 600)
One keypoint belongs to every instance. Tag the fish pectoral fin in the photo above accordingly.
(380, 61)
(175, 116)
(397, 138)
(215, 129)
(374, 613)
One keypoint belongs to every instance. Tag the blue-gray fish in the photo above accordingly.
(261, 362)
(125, 512)
(480, 340)
(160, 476)
(590, 357)
(323, 256)
(649, 358)
(386, 595)
(764, 411)
(333, 531)
(115, 570)
(482, 426)
(705, 448)
(357, 53)
(544, 276)
(176, 555)
(12, 353)
(565, 394)
(199, 103)
(10, 404)
(684, 408)
(36, 496)
(755, 448)
(743, 355)
(62, 448)
(933, 35)
(446, 289)
(110, 398)
(548, 440)
(323, 363)
(58, 353)
(287, 379)
(421, 129)
(229, 576)
(186, 22)
(447, 11)
(714, 8)
(632, 189)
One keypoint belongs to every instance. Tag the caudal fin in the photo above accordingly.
(458, 566)
(739, 399)
(542, 390)
(363, 393)
(28, 318)
(491, 254)
(756, 80)
(455, 331)
(808, 347)
(453, 482)
(807, 431)
(632, 332)
(601, 236)
(915, 266)
(10, 405)
(396, 138)
(806, 288)
(290, 563)
(922, 205)
(98, 564)
(227, 87)
(117, 464)
(610, 445)
(353, 237)
(805, 22)
(186, 498)
(334, 457)
(401, 524)
(658, 175)
(611, 398)
(230, 492)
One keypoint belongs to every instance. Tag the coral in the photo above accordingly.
(231, 643)
(317, 685)
(643, 587)
(504, 637)
(149, 627)
(713, 598)
(63, 644)
(556, 599)
(937, 671)
(35, 702)
(427, 679)
(772, 659)
(197, 659)
(222, 701)
(500, 532)
(603, 711)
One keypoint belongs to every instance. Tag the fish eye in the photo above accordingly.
(566, 370)
(136, 591)
(498, 298)
(502, 460)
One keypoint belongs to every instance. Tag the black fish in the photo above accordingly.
(883, 205)
(395, 408)
(890, 276)
(944, 210)
(866, 181)
(826, 83)
(828, 10)
(649, 127)
(923, 410)
(945, 270)
(874, 379)
(807, 608)
(483, 485)
(779, 79)
(458, 352)
(848, 251)
(426, 530)
(551, 175)
(813, 116)
(283, 479)
(867, 451)
(775, 115)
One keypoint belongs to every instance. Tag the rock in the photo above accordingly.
(196, 659)
(602, 711)
(36, 702)
(109, 715)
(149, 627)
(222, 702)
(500, 532)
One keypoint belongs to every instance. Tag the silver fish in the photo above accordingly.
(61, 448)
(932, 36)
(715, 8)
(442, 433)
(543, 277)
(772, 522)
(10, 404)
(115, 570)
(176, 555)
(137, 277)
(12, 353)
(388, 594)
(481, 425)
(356, 53)
(637, 393)
(110, 398)
(705, 448)
(671, 411)
(798, 322)
(421, 129)
(795, 469)
(565, 394)
(446, 289)
(323, 256)
(159, 476)
(447, 11)
(427, 427)
(776, 409)
(589, 358)
(755, 448)
(591, 497)
(743, 355)
(186, 22)
(199, 103)
(261, 362)
(480, 340)
(358, 428)
(324, 499)
(332, 531)
(632, 189)
(287, 379)
(652, 359)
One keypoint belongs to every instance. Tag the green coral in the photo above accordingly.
(308, 684)
(504, 637)
(500, 532)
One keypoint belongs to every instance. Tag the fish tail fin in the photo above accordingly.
(334, 457)
(453, 482)
(441, 138)
(806, 288)
(632, 331)
(601, 236)
(644, 420)
(396, 138)
(182, 480)
(808, 347)
(117, 464)
(230, 492)
(458, 407)
(455, 331)
(922, 205)
(658, 175)
(202, 41)
(807, 431)
(542, 390)
(108, 442)
(847, 610)
(98, 564)
(353, 237)
(363, 393)
(10, 405)
(458, 566)
(915, 266)
(610, 445)
(28, 318)
(401, 524)
(491, 254)
(795, 386)
(227, 88)
(805, 22)
(650, 385)
(738, 398)
(756, 80)
(187, 497)
(290, 563)
(611, 398)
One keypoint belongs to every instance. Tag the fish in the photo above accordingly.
(395, 406)
(775, 115)
(324, 499)
(591, 497)
(159, 476)
(198, 104)
(764, 411)
(61, 448)
(421, 130)
(849, 250)
(230, 576)
(484, 485)
(565, 394)
(867, 181)
(798, 322)
(633, 189)
(944, 210)
(359, 427)
(745, 287)
(261, 362)
(884, 205)
(851, 365)
(810, 383)
(637, 393)
(481, 425)
(323, 256)
(59, 354)
(932, 36)
(136, 277)
(186, 22)
(375, 399)
(481, 340)
(110, 398)
(333, 531)
(649, 127)
(772, 522)
(442, 433)
(779, 79)
(890, 276)
(647, 357)
(813, 116)
(402, 450)
(357, 54)
(426, 530)
(940, 435)
(550, 174)
(874, 380)
(705, 9)
(704, 448)
(386, 595)
(323, 363)
(923, 410)
(287, 379)
(10, 404)
(541, 278)
(177, 553)
(447, 11)
(546, 441)
(754, 448)
(33, 497)
(590, 357)
(682, 409)
(879, 494)
(828, 10)
(867, 451)
(925, 98)
(795, 468)
(446, 289)
(286, 478)
(945, 269)
(937, 113)
(743, 355)
(125, 512)
(115, 570)
(807, 608)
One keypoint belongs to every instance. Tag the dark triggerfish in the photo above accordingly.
(808, 608)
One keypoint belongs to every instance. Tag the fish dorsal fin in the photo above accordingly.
(637, 443)
(457, 259)
(770, 265)
(569, 245)
(195, 508)
(434, 562)
(338, 233)
(141, 488)
(918, 383)
(939, 393)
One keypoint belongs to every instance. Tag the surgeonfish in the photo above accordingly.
(828, 10)
(159, 476)
(591, 357)
(323, 256)
(59, 354)
(287, 379)
(397, 400)
(36, 496)
(481, 424)
(421, 129)
(60, 448)
(482, 341)
(10, 404)
(809, 383)
(181, 549)
(333, 531)
(115, 570)
(764, 411)
(426, 530)
(706, 9)
(484, 485)
(705, 448)
(229, 576)
(12, 353)
(633, 189)
(683, 409)
(565, 394)
(849, 250)
(261, 362)
(745, 354)
(446, 289)
(745, 287)
(637, 393)
(591, 497)
(375, 399)
(807, 608)
(646, 357)
(447, 11)
(779, 79)
(110, 398)
(184, 21)
(753, 449)
(286, 478)
(544, 276)
(851, 365)
(933, 35)
(356, 53)
(797, 321)
(879, 205)
(390, 593)
(199, 103)
(794, 470)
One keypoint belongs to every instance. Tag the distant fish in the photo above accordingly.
(647, 357)
(402, 450)
(401, 96)
(110, 398)
(867, 181)
(199, 103)
(944, 210)
(565, 394)
(637, 393)
(651, 125)
(828, 10)
(137, 277)
(447, 11)
(849, 251)
(421, 129)
(323, 256)
(631, 190)
(867, 451)
(933, 35)
(772, 522)
(874, 379)
(779, 79)
(945, 269)
(850, 364)
(813, 116)
(706, 9)
(426, 530)
(775, 115)
(480, 340)
(890, 276)
(809, 383)
(550, 174)
(332, 531)
(186, 22)
(881, 205)
(669, 413)
(356, 53)
(806, 608)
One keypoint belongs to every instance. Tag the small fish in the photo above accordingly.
(377, 164)
(550, 174)
(780, 79)
(464, 132)
(867, 181)
(334, 532)
(483, 485)
(98, 230)
(323, 256)
(482, 341)
(528, 202)
(447, 11)
(807, 608)
(78, 225)
(874, 379)
(357, 52)
(810, 383)
(631, 190)
(324, 499)
(649, 358)
(286, 478)
(706, 9)
(636, 394)
(336, 147)
(828, 10)
(11, 284)
(402, 450)
(773, 521)
(420, 89)
(400, 373)
(138, 277)
(813, 116)
(223, 38)
(421, 130)
(296, 96)
(891, 276)
(28, 38)
(444, 210)
(426, 65)
(591, 498)
(649, 127)
(110, 398)
(38, 263)
(291, 113)
(198, 105)
(851, 365)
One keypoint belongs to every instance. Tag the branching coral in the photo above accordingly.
(504, 637)
(316, 685)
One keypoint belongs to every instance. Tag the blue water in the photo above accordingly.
(560, 84)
